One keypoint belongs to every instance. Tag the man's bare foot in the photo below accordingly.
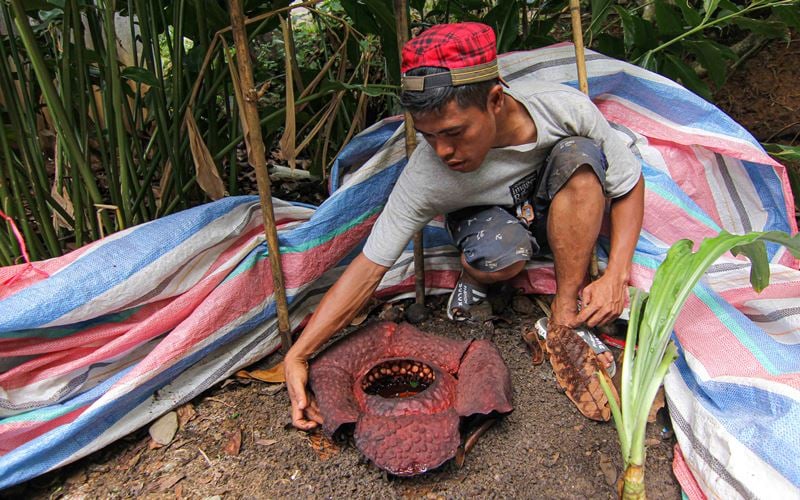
(565, 313)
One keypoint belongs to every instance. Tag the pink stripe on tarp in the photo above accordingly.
(669, 222)
(617, 112)
(685, 477)
(93, 335)
(23, 276)
(156, 319)
(19, 433)
(702, 333)
(690, 175)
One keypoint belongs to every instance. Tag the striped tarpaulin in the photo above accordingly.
(126, 328)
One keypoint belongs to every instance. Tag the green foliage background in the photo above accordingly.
(90, 144)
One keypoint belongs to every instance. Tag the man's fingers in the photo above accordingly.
(312, 412)
(300, 421)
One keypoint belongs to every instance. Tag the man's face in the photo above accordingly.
(460, 136)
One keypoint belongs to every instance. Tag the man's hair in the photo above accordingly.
(435, 99)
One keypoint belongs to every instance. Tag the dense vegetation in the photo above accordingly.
(117, 112)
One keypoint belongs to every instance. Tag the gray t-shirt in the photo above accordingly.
(427, 188)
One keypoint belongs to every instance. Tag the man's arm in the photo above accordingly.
(604, 299)
(338, 307)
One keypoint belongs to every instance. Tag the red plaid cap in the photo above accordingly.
(451, 46)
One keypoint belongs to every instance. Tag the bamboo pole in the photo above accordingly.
(583, 85)
(257, 157)
(401, 15)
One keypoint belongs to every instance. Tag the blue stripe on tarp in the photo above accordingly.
(763, 421)
(677, 105)
(57, 332)
(32, 458)
(343, 207)
(360, 149)
(48, 450)
(770, 192)
(776, 358)
(107, 266)
(662, 184)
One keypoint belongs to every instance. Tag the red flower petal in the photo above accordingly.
(333, 388)
(484, 384)
(408, 445)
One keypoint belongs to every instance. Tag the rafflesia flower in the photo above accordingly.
(406, 392)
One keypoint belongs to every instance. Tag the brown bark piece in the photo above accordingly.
(575, 367)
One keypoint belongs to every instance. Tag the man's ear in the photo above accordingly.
(494, 102)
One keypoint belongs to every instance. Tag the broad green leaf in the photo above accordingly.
(759, 268)
(789, 14)
(728, 5)
(419, 6)
(600, 11)
(690, 15)
(628, 28)
(504, 18)
(679, 70)
(709, 6)
(140, 75)
(471, 4)
(783, 152)
(667, 19)
(712, 57)
(770, 29)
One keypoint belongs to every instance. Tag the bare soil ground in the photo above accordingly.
(544, 449)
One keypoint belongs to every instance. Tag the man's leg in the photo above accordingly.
(573, 224)
(494, 247)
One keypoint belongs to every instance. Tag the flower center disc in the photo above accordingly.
(398, 378)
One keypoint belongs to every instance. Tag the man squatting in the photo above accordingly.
(493, 155)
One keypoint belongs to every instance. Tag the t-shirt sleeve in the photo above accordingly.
(403, 215)
(624, 168)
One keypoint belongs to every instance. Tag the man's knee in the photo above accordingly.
(575, 163)
(496, 275)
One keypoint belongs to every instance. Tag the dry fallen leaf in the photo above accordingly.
(266, 442)
(324, 447)
(272, 375)
(186, 413)
(658, 403)
(168, 482)
(206, 169)
(608, 469)
(234, 443)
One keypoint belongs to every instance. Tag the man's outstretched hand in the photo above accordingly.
(603, 300)
(305, 413)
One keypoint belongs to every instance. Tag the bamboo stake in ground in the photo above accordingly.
(401, 14)
(583, 85)
(257, 157)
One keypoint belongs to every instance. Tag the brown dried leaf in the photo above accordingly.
(234, 443)
(608, 470)
(168, 482)
(186, 413)
(658, 403)
(322, 446)
(266, 442)
(62, 198)
(272, 375)
(207, 174)
(287, 141)
(576, 368)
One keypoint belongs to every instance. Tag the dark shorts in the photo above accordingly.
(492, 237)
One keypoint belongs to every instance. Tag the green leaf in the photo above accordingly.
(140, 75)
(709, 6)
(783, 152)
(638, 34)
(712, 56)
(679, 70)
(504, 18)
(769, 29)
(690, 15)
(600, 10)
(789, 14)
(759, 269)
(667, 19)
